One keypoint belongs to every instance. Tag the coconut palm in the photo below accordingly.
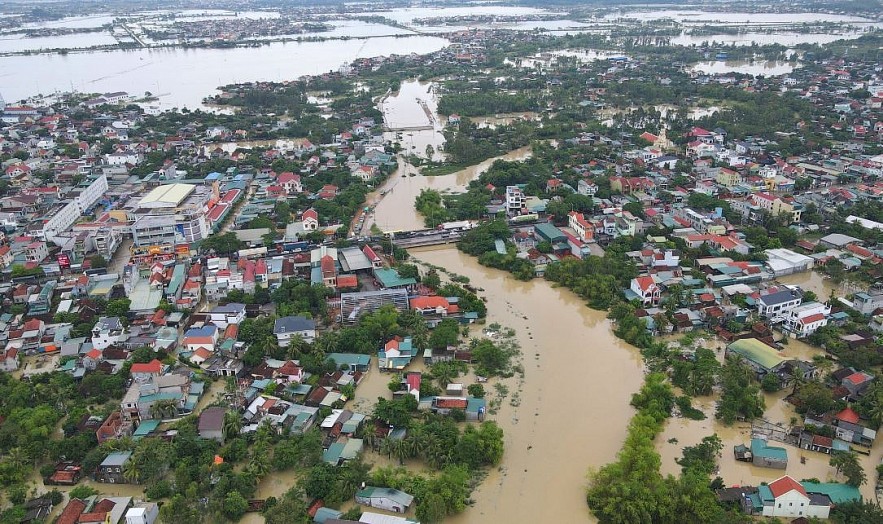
(132, 472)
(232, 425)
(386, 445)
(369, 436)
(400, 450)
(162, 409)
(259, 465)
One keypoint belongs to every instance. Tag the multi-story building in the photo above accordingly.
(779, 303)
(64, 216)
(805, 319)
(172, 213)
(514, 200)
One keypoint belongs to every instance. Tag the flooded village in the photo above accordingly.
(398, 264)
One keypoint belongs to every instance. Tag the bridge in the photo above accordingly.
(397, 129)
(425, 238)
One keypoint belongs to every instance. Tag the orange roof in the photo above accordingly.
(784, 485)
(812, 318)
(429, 302)
(452, 403)
(847, 415)
(219, 460)
(202, 353)
(154, 366)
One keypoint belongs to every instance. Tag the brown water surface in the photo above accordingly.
(572, 406)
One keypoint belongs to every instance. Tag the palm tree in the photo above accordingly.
(132, 472)
(232, 425)
(370, 437)
(259, 465)
(400, 450)
(162, 409)
(386, 447)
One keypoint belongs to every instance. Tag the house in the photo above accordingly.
(785, 497)
(286, 328)
(111, 469)
(805, 319)
(646, 289)
(760, 357)
(106, 332)
(9, 359)
(384, 498)
(777, 303)
(762, 454)
(232, 313)
(143, 513)
(211, 424)
(310, 220)
(856, 383)
(143, 372)
(433, 305)
(205, 337)
(396, 354)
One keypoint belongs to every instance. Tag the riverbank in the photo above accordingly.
(573, 405)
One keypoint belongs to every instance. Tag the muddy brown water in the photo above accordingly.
(394, 201)
(573, 406)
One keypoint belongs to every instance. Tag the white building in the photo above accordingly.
(805, 319)
(143, 513)
(107, 332)
(67, 215)
(777, 304)
(785, 262)
(232, 313)
(287, 328)
(788, 498)
(514, 200)
(172, 210)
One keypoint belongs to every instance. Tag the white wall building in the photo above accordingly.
(805, 319)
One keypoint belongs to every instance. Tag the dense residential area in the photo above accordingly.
(266, 308)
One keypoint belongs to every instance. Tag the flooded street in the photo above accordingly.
(410, 117)
(572, 407)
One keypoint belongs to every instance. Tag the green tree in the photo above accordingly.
(847, 464)
(235, 505)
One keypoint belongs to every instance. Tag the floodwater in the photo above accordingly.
(183, 77)
(573, 404)
(395, 211)
(785, 38)
(705, 17)
(411, 115)
(503, 119)
(19, 43)
(815, 282)
(753, 68)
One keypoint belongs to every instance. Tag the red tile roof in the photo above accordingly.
(451, 403)
(71, 512)
(154, 366)
(848, 415)
(784, 485)
(812, 318)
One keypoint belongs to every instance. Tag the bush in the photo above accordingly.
(476, 390)
(160, 490)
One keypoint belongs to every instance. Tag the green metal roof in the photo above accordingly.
(390, 278)
(760, 448)
(550, 232)
(838, 493)
(757, 352)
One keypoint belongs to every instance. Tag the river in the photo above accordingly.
(574, 399)
(393, 202)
